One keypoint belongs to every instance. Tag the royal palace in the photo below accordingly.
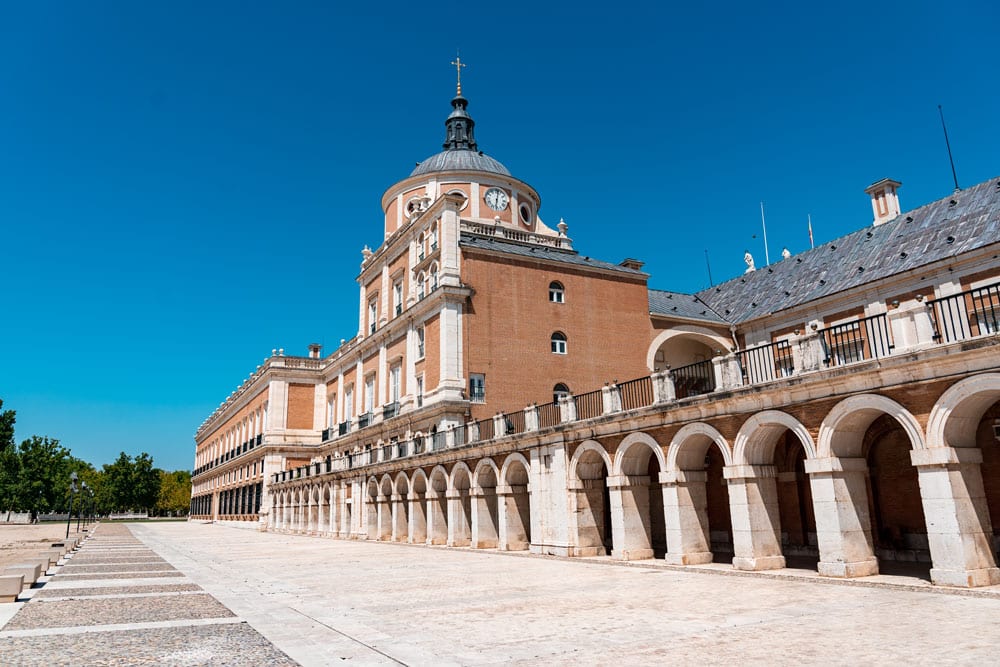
(837, 410)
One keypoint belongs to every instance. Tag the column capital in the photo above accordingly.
(946, 456)
(682, 477)
(738, 472)
(836, 464)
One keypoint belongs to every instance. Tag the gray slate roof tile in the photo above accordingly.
(913, 239)
(541, 252)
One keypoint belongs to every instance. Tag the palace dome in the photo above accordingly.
(459, 159)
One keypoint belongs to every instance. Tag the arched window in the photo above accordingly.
(420, 247)
(421, 285)
(557, 294)
(559, 391)
(558, 343)
(434, 237)
(434, 277)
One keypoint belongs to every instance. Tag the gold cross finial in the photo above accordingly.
(457, 62)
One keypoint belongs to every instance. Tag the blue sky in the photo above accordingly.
(185, 186)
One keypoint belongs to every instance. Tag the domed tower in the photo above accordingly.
(488, 193)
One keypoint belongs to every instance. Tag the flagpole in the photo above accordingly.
(811, 243)
(767, 259)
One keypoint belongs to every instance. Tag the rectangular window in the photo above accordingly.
(397, 297)
(370, 393)
(372, 315)
(477, 388)
(420, 390)
(420, 342)
(331, 410)
(394, 384)
(349, 403)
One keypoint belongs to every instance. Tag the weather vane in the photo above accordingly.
(457, 62)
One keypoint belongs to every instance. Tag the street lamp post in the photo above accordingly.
(79, 510)
(72, 491)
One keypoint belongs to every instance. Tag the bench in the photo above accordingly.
(10, 587)
(30, 571)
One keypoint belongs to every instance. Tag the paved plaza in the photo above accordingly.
(190, 593)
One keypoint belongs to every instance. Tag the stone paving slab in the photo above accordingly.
(73, 568)
(50, 592)
(73, 613)
(235, 645)
(326, 601)
(122, 575)
(84, 559)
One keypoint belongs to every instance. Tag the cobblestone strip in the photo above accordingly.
(117, 602)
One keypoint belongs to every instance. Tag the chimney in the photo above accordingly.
(633, 264)
(314, 350)
(885, 201)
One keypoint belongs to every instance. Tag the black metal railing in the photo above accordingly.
(549, 415)
(972, 313)
(514, 422)
(589, 405)
(439, 440)
(765, 363)
(637, 393)
(386, 452)
(327, 433)
(364, 420)
(402, 448)
(390, 410)
(864, 338)
(694, 379)
(461, 435)
(344, 427)
(486, 429)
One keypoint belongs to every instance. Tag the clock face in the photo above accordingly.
(496, 199)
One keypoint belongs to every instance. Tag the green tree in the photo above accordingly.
(145, 482)
(175, 493)
(118, 484)
(43, 482)
(7, 418)
(10, 463)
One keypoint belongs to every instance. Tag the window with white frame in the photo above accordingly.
(420, 342)
(349, 403)
(434, 237)
(557, 294)
(420, 247)
(331, 410)
(394, 387)
(558, 343)
(421, 285)
(477, 387)
(420, 390)
(397, 296)
(372, 315)
(370, 393)
(434, 277)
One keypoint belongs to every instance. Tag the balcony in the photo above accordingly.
(364, 420)
(390, 410)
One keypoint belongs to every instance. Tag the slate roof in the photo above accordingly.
(460, 160)
(964, 221)
(541, 252)
(677, 304)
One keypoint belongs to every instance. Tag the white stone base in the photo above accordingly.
(698, 558)
(762, 563)
(863, 568)
(632, 554)
(987, 576)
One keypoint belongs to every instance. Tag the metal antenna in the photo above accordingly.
(709, 265)
(767, 259)
(948, 144)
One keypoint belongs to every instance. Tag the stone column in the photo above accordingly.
(629, 504)
(384, 519)
(484, 532)
(400, 525)
(417, 530)
(843, 526)
(753, 504)
(663, 387)
(459, 529)
(685, 504)
(958, 519)
(437, 522)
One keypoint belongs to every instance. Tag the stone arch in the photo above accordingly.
(955, 416)
(585, 470)
(636, 483)
(371, 508)
(515, 503)
(702, 335)
(842, 430)
(460, 506)
(437, 505)
(690, 444)
(485, 505)
(759, 434)
(400, 508)
(872, 439)
(632, 449)
(590, 499)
